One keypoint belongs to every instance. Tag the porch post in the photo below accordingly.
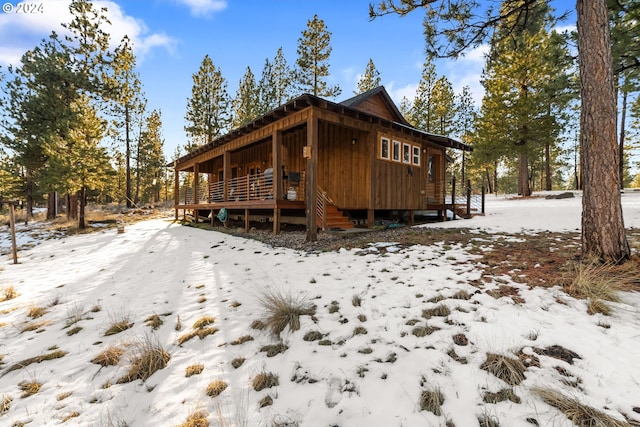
(311, 193)
(196, 185)
(176, 188)
(276, 145)
(226, 175)
(372, 182)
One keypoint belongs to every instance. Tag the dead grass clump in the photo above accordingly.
(440, 310)
(507, 369)
(70, 415)
(119, 325)
(313, 336)
(35, 326)
(200, 329)
(460, 339)
(63, 395)
(265, 401)
(154, 321)
(422, 331)
(600, 282)
(26, 362)
(108, 357)
(500, 396)
(241, 340)
(486, 420)
(196, 419)
(274, 349)
(237, 362)
(29, 388)
(282, 310)
(558, 352)
(461, 294)
(356, 300)
(507, 291)
(74, 330)
(432, 400)
(149, 357)
(264, 380)
(35, 312)
(8, 292)
(216, 387)
(579, 414)
(194, 370)
(5, 403)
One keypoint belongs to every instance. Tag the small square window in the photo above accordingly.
(416, 155)
(384, 148)
(406, 153)
(396, 151)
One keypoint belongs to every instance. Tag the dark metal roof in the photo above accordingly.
(344, 108)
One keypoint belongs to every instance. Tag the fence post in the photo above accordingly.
(483, 194)
(468, 198)
(453, 198)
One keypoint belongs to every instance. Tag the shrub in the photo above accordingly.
(283, 310)
(507, 369)
(108, 357)
(8, 292)
(431, 400)
(215, 388)
(149, 357)
(154, 321)
(35, 312)
(264, 380)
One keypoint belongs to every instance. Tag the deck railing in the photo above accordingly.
(464, 199)
(321, 204)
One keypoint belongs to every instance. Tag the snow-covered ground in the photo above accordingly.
(369, 368)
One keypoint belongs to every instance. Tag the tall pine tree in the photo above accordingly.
(246, 103)
(369, 80)
(314, 49)
(208, 109)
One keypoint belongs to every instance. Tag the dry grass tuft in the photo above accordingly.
(600, 282)
(215, 388)
(26, 362)
(29, 388)
(440, 310)
(237, 362)
(422, 331)
(196, 419)
(149, 357)
(356, 300)
(579, 414)
(5, 404)
(461, 294)
(35, 312)
(35, 326)
(274, 349)
(507, 369)
(63, 396)
(70, 415)
(8, 292)
(486, 420)
(432, 400)
(500, 396)
(283, 310)
(194, 370)
(154, 321)
(243, 339)
(200, 328)
(264, 380)
(119, 324)
(108, 357)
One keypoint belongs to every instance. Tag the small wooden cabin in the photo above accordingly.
(319, 163)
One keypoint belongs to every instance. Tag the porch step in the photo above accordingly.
(335, 219)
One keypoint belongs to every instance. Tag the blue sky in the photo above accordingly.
(171, 37)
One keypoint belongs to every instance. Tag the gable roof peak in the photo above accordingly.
(380, 91)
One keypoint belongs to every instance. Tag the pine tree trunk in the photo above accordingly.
(82, 195)
(547, 167)
(128, 155)
(72, 206)
(523, 175)
(603, 233)
(623, 116)
(52, 205)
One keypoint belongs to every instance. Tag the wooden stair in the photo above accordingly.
(335, 219)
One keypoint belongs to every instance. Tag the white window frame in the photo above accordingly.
(396, 155)
(406, 153)
(384, 140)
(415, 155)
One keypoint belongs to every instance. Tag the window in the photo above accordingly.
(416, 155)
(430, 169)
(384, 148)
(396, 151)
(406, 153)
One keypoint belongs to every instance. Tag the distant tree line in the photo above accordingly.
(75, 124)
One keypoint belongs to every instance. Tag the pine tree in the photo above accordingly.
(128, 104)
(208, 108)
(314, 49)
(246, 103)
(369, 80)
(151, 161)
(464, 124)
(276, 84)
(421, 114)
